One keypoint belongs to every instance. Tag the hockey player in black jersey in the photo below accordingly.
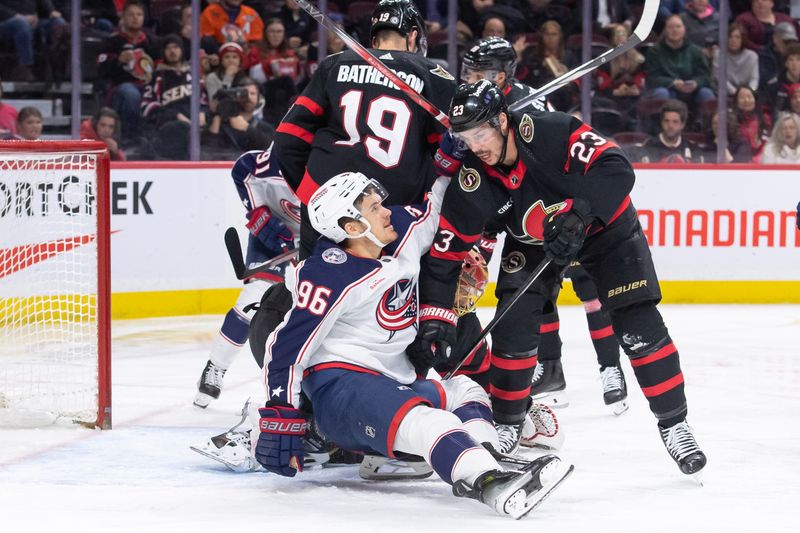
(351, 117)
(494, 59)
(562, 192)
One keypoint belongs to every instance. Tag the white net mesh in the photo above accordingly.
(48, 288)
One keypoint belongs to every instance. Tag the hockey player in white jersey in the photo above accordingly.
(354, 311)
(273, 213)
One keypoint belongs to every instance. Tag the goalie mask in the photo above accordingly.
(489, 57)
(471, 283)
(341, 198)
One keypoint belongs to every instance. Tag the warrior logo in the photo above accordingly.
(398, 307)
(469, 179)
(526, 128)
(334, 256)
(532, 222)
(513, 262)
(291, 210)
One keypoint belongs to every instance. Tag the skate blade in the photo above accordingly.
(545, 491)
(617, 408)
(383, 469)
(554, 399)
(202, 400)
(244, 466)
(698, 477)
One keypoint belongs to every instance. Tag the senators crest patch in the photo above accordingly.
(469, 179)
(513, 262)
(526, 128)
(441, 72)
(334, 255)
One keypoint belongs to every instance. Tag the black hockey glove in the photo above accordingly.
(435, 339)
(565, 230)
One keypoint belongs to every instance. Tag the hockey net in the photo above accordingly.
(54, 284)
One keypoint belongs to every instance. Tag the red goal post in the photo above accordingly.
(55, 283)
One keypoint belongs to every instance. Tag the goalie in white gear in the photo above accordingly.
(273, 213)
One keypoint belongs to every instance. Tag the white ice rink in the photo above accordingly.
(742, 369)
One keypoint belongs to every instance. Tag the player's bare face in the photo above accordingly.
(485, 142)
(379, 218)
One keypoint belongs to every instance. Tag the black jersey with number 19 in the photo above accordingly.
(350, 117)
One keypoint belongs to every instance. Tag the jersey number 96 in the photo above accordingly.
(312, 298)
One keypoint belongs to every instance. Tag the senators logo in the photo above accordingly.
(469, 179)
(532, 222)
(513, 262)
(526, 128)
(398, 307)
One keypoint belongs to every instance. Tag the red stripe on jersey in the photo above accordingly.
(601, 333)
(340, 366)
(442, 394)
(621, 209)
(398, 417)
(514, 364)
(434, 138)
(509, 395)
(448, 256)
(269, 276)
(445, 224)
(307, 188)
(311, 105)
(596, 149)
(661, 353)
(296, 131)
(549, 327)
(664, 386)
(484, 366)
(514, 178)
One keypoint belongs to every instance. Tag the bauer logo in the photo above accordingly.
(469, 179)
(629, 287)
(513, 262)
(526, 128)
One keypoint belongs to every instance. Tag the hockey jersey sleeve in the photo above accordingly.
(465, 213)
(321, 293)
(416, 224)
(295, 134)
(597, 169)
(439, 91)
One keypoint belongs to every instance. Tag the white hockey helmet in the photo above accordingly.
(341, 197)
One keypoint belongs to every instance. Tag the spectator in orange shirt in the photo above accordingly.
(229, 20)
(104, 126)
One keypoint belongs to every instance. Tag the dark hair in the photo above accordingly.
(246, 81)
(130, 3)
(742, 31)
(674, 106)
(792, 50)
(26, 112)
(264, 44)
(106, 112)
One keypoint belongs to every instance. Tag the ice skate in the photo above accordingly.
(541, 429)
(615, 391)
(509, 436)
(210, 385)
(516, 493)
(683, 448)
(232, 449)
(548, 385)
(380, 468)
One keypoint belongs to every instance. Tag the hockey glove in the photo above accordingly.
(270, 230)
(450, 155)
(565, 230)
(280, 441)
(435, 339)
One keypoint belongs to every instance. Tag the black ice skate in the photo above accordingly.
(210, 385)
(615, 391)
(516, 493)
(683, 448)
(509, 436)
(548, 385)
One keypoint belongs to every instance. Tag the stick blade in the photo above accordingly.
(234, 247)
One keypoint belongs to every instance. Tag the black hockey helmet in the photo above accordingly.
(475, 104)
(401, 16)
(490, 54)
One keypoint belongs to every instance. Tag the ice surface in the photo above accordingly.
(742, 368)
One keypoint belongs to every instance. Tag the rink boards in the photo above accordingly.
(718, 235)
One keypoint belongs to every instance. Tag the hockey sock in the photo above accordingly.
(655, 361)
(550, 343)
(439, 437)
(511, 386)
(602, 333)
(476, 418)
(232, 336)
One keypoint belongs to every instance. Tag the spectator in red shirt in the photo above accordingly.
(754, 123)
(272, 57)
(8, 118)
(760, 23)
(104, 126)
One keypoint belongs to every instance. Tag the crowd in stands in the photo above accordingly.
(659, 100)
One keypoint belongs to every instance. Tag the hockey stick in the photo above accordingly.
(373, 61)
(640, 33)
(500, 314)
(237, 259)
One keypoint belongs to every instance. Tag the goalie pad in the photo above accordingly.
(541, 429)
(380, 468)
(471, 283)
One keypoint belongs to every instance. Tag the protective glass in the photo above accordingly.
(471, 75)
(478, 136)
(362, 203)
